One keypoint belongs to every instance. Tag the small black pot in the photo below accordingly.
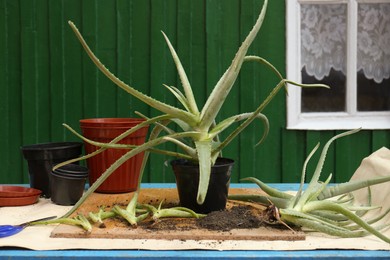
(187, 180)
(67, 184)
(42, 157)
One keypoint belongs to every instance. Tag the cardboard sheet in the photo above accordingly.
(181, 229)
(38, 237)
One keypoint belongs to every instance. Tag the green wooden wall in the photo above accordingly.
(46, 79)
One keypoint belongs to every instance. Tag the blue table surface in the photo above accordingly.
(18, 253)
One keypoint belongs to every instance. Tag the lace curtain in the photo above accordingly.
(324, 39)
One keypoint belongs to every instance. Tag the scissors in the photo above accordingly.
(9, 230)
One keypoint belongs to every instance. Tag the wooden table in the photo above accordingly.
(17, 253)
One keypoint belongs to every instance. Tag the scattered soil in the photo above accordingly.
(237, 217)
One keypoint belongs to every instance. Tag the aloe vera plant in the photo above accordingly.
(198, 135)
(313, 207)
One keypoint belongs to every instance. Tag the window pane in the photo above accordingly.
(373, 57)
(323, 56)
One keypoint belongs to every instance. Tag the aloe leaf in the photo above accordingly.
(182, 124)
(268, 189)
(350, 186)
(314, 180)
(184, 79)
(139, 149)
(111, 144)
(176, 212)
(189, 150)
(261, 107)
(328, 205)
(132, 219)
(324, 227)
(179, 96)
(236, 118)
(264, 200)
(292, 216)
(306, 85)
(79, 220)
(115, 140)
(250, 119)
(100, 216)
(204, 158)
(224, 85)
(165, 108)
(153, 135)
(320, 188)
(303, 175)
(267, 63)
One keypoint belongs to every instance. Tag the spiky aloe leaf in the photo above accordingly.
(204, 156)
(314, 180)
(163, 107)
(193, 108)
(350, 186)
(224, 85)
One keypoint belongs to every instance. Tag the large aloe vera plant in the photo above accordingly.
(316, 208)
(198, 134)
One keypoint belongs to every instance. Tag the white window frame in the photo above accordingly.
(349, 119)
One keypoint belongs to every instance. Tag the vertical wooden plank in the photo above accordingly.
(380, 138)
(10, 105)
(252, 91)
(57, 77)
(88, 28)
(72, 69)
(35, 79)
(34, 58)
(4, 98)
(191, 45)
(133, 23)
(293, 155)
(65, 69)
(270, 45)
(223, 41)
(162, 71)
(107, 53)
(350, 151)
(99, 30)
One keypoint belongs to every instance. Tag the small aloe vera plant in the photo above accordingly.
(313, 207)
(198, 132)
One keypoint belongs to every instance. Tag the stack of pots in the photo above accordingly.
(41, 158)
(104, 130)
(68, 183)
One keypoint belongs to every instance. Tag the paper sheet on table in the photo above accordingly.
(38, 237)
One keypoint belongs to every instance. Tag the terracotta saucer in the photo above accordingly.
(18, 201)
(7, 191)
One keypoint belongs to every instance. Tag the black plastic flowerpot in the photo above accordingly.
(67, 184)
(42, 157)
(187, 180)
(73, 171)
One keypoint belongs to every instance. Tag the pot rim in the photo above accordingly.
(111, 120)
(80, 177)
(188, 163)
(51, 146)
(72, 169)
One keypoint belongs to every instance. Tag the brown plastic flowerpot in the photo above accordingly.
(125, 178)
(187, 180)
(42, 157)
